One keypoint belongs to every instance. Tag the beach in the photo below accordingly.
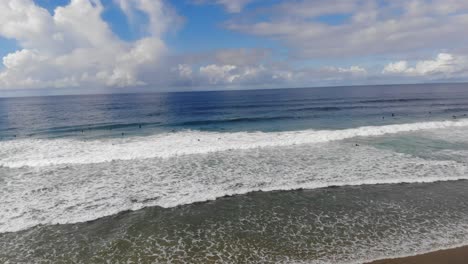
(448, 256)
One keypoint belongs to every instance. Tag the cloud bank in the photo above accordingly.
(335, 28)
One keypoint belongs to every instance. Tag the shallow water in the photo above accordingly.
(328, 225)
(381, 171)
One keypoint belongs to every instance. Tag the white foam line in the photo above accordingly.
(40, 152)
(16, 227)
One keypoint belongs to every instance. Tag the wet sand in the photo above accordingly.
(449, 256)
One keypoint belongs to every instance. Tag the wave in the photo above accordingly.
(336, 108)
(78, 128)
(398, 100)
(234, 120)
(456, 110)
(134, 205)
(321, 102)
(317, 104)
(319, 108)
(71, 193)
(43, 152)
(269, 104)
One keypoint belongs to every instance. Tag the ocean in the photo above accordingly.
(310, 175)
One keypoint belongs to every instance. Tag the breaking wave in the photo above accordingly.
(60, 181)
(46, 152)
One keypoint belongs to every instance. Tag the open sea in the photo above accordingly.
(316, 175)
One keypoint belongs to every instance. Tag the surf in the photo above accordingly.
(71, 193)
(48, 152)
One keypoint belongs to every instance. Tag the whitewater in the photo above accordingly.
(46, 152)
(59, 181)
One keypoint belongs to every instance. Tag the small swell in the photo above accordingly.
(78, 128)
(335, 108)
(319, 109)
(456, 110)
(397, 100)
(233, 120)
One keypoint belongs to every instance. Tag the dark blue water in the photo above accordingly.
(259, 110)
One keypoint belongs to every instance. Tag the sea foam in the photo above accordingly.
(71, 193)
(46, 152)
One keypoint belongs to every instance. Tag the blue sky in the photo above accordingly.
(85, 45)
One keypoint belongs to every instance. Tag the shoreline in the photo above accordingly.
(457, 255)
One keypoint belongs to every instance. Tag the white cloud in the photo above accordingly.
(219, 74)
(329, 75)
(161, 16)
(74, 46)
(335, 29)
(232, 74)
(396, 67)
(444, 65)
(354, 70)
(227, 67)
(184, 71)
(252, 75)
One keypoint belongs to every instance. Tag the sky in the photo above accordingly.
(85, 46)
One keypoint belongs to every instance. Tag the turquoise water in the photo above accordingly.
(323, 175)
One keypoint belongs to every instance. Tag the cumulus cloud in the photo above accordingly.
(232, 74)
(75, 46)
(444, 65)
(219, 73)
(256, 68)
(227, 67)
(252, 75)
(353, 70)
(396, 67)
(224, 74)
(329, 75)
